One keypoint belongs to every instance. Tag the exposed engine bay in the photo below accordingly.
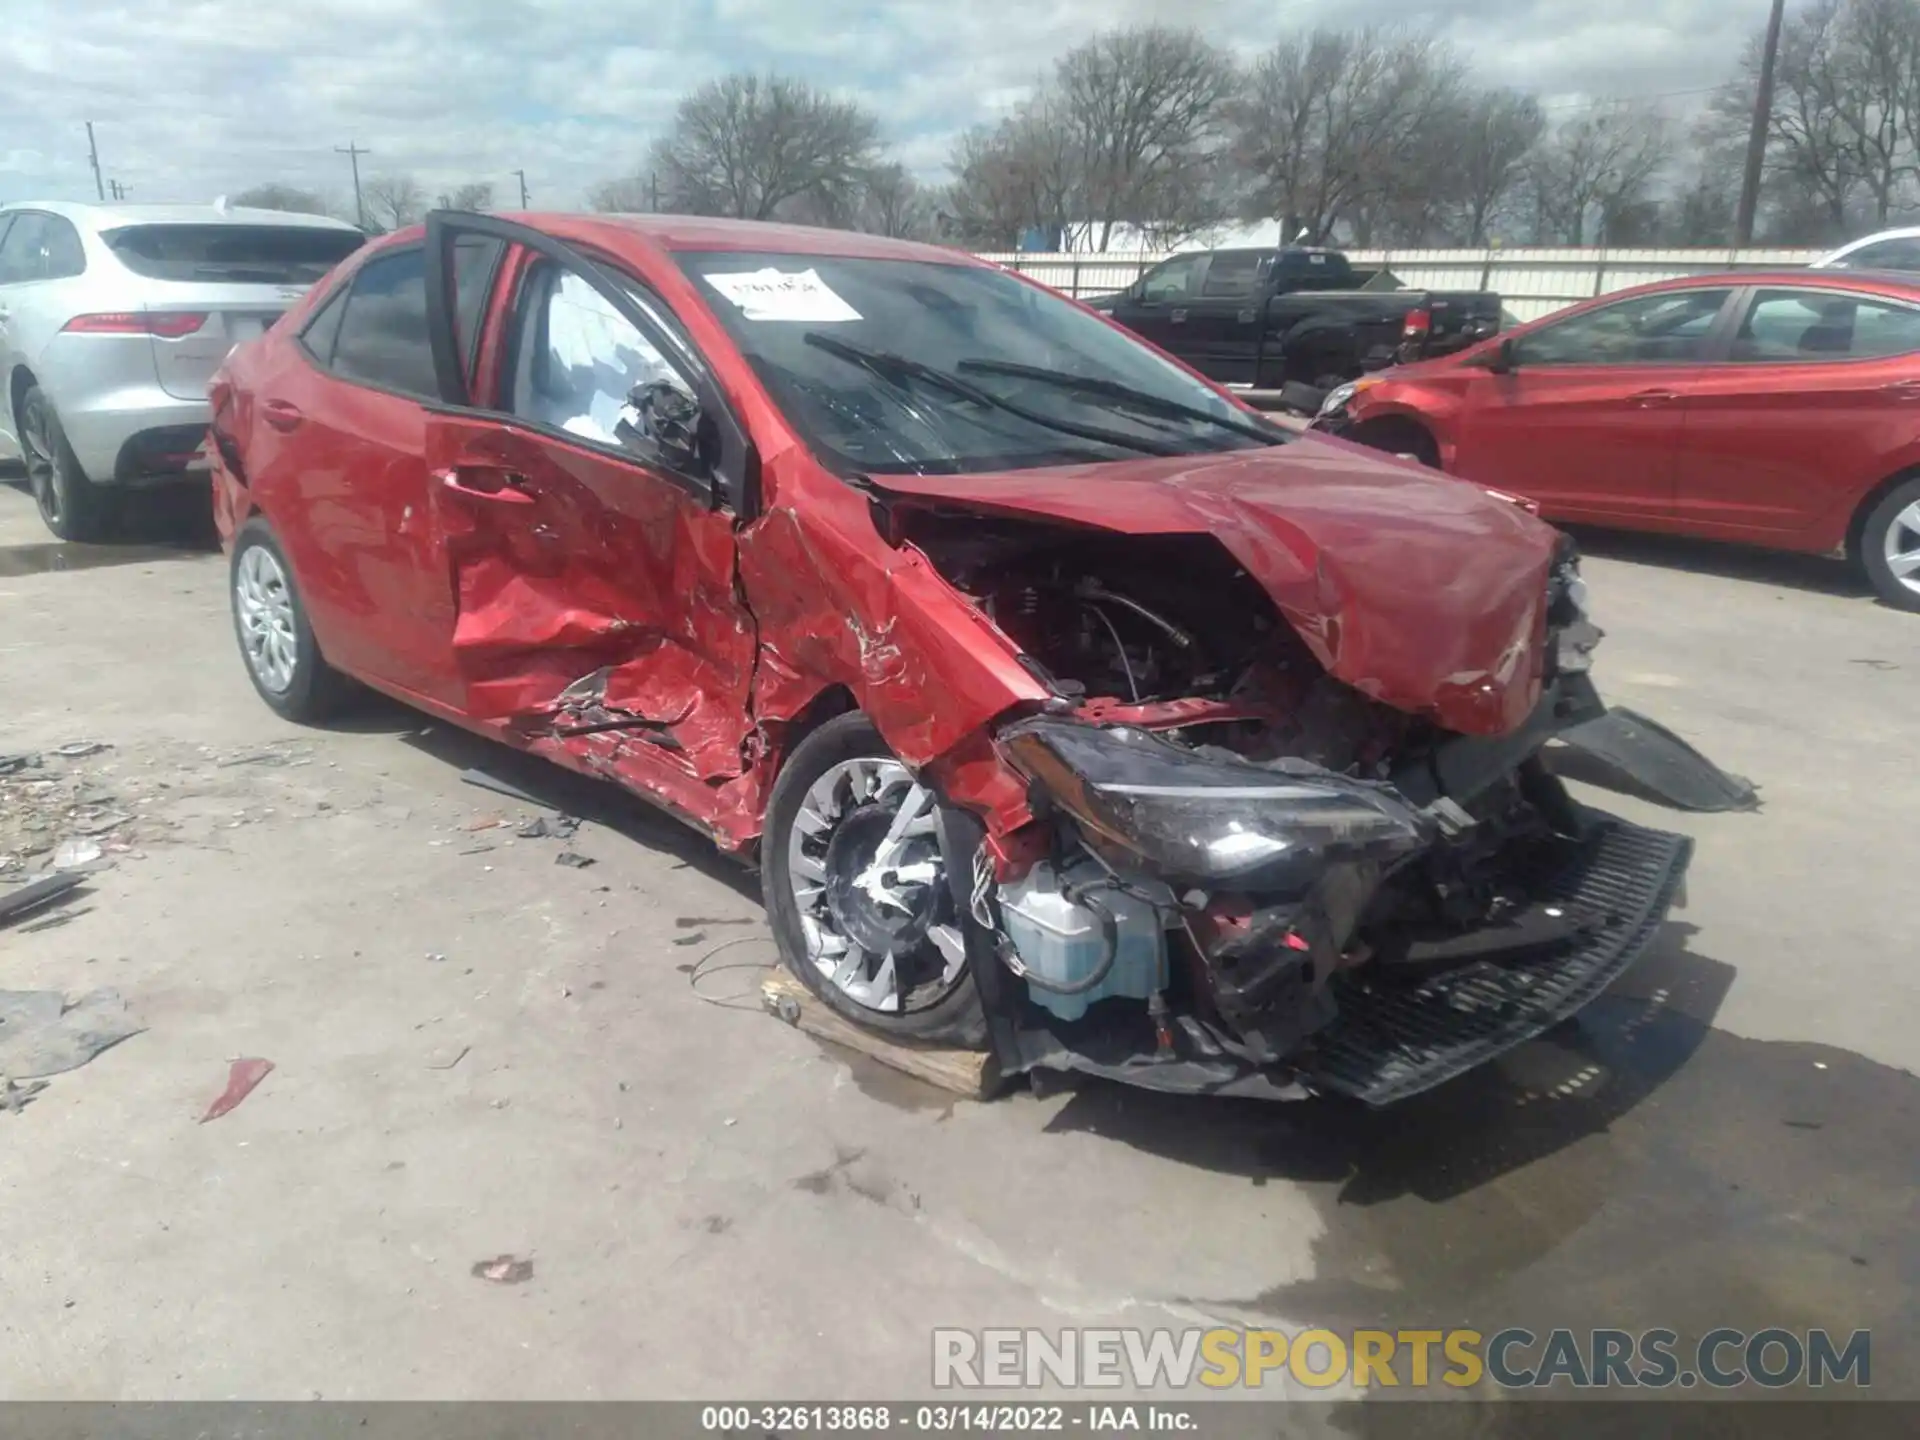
(1234, 850)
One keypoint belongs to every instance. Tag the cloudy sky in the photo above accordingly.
(193, 98)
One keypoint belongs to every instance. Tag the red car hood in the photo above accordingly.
(1424, 592)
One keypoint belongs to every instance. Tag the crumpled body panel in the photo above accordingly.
(1422, 592)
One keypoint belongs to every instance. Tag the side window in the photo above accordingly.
(324, 328)
(1171, 280)
(65, 255)
(23, 256)
(382, 339)
(474, 260)
(1664, 329)
(576, 359)
(1784, 326)
(1231, 276)
(1885, 255)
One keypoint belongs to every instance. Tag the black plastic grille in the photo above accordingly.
(1395, 1038)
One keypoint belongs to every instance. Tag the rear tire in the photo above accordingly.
(73, 507)
(856, 935)
(1890, 546)
(276, 643)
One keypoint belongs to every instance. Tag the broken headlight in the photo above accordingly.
(1190, 816)
(1575, 636)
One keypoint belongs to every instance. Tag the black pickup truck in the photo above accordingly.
(1259, 319)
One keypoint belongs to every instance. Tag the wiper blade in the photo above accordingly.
(889, 366)
(1115, 390)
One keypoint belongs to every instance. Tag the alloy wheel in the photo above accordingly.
(264, 603)
(869, 882)
(1902, 547)
(36, 448)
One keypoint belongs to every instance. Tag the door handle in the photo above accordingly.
(282, 415)
(511, 490)
(1177, 317)
(1647, 399)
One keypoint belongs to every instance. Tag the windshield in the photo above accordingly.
(270, 254)
(917, 367)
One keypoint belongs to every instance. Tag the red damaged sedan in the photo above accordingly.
(1773, 408)
(1068, 707)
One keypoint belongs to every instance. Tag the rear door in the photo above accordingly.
(1156, 308)
(1589, 419)
(590, 569)
(210, 287)
(337, 452)
(1817, 399)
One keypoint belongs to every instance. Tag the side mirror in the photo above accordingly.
(661, 423)
(1501, 361)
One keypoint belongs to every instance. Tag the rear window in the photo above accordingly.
(270, 254)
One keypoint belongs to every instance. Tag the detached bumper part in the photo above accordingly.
(1397, 1037)
(1634, 754)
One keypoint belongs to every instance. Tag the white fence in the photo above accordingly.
(1531, 282)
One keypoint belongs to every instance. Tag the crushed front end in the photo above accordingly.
(1244, 876)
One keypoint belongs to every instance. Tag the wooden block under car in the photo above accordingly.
(971, 1073)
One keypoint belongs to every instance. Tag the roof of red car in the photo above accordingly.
(1800, 277)
(697, 232)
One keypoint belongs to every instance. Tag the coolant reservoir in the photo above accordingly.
(1062, 942)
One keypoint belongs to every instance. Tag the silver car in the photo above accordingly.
(112, 320)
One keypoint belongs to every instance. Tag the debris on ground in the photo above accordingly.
(448, 1057)
(76, 854)
(11, 764)
(244, 1075)
(485, 781)
(485, 822)
(16, 1097)
(43, 891)
(573, 860)
(42, 1034)
(560, 827)
(77, 749)
(503, 1270)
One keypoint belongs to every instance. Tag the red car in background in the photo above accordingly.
(1778, 409)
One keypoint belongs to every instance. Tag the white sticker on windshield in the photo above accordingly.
(778, 295)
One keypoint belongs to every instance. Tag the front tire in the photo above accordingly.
(857, 893)
(276, 643)
(73, 507)
(1890, 546)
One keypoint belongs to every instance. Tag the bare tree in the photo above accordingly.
(629, 195)
(1025, 173)
(1336, 126)
(273, 196)
(1496, 132)
(893, 203)
(475, 195)
(1593, 175)
(1811, 150)
(749, 145)
(1146, 108)
(395, 200)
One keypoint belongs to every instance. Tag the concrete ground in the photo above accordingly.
(480, 1053)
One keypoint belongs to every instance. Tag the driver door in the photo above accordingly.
(591, 569)
(1588, 421)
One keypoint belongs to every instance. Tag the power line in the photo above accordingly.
(521, 175)
(1595, 102)
(353, 152)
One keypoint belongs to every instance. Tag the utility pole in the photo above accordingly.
(353, 152)
(119, 190)
(1757, 136)
(521, 175)
(653, 190)
(93, 158)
